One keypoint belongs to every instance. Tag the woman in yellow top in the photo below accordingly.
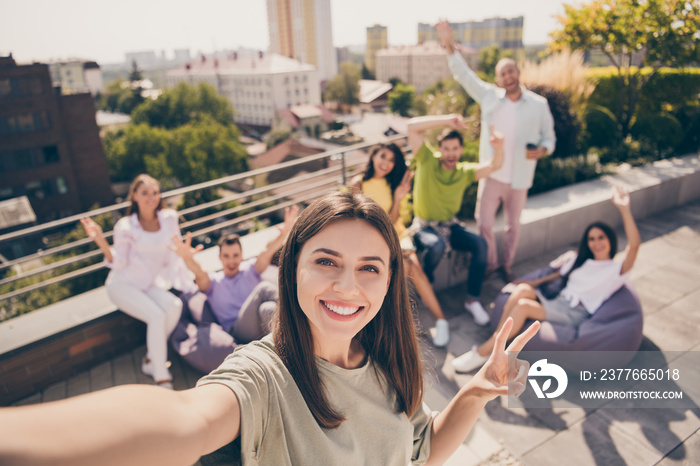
(387, 181)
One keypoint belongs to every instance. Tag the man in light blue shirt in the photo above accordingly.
(525, 120)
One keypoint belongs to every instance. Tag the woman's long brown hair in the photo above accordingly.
(389, 339)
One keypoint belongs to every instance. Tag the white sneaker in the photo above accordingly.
(469, 361)
(148, 369)
(442, 333)
(481, 317)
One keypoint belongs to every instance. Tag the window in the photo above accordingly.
(27, 158)
(24, 123)
(61, 185)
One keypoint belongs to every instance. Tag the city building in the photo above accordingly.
(77, 76)
(376, 40)
(144, 60)
(419, 65)
(311, 119)
(50, 148)
(301, 29)
(257, 87)
(507, 33)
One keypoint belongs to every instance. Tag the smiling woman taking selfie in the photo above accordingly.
(338, 381)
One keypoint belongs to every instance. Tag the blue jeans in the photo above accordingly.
(461, 240)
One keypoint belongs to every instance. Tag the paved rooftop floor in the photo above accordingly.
(667, 279)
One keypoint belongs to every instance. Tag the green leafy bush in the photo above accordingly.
(602, 129)
(566, 123)
(662, 130)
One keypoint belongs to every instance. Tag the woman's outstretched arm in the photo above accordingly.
(131, 424)
(621, 199)
(499, 375)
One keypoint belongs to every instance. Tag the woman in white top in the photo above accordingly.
(338, 382)
(143, 268)
(590, 277)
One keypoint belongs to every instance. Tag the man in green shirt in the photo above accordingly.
(438, 189)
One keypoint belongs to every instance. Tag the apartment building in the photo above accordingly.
(301, 29)
(77, 76)
(256, 86)
(376, 41)
(50, 148)
(419, 65)
(507, 33)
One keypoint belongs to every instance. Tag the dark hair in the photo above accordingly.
(585, 253)
(395, 176)
(449, 133)
(389, 339)
(138, 181)
(229, 240)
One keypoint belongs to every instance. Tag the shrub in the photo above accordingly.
(565, 71)
(566, 123)
(668, 89)
(689, 118)
(602, 129)
(662, 130)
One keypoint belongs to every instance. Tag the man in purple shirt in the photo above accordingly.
(241, 302)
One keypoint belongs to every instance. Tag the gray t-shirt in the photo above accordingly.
(278, 428)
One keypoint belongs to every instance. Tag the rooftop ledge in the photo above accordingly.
(549, 220)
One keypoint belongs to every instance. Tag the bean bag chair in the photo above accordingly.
(198, 337)
(616, 327)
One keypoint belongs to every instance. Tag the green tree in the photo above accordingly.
(401, 98)
(344, 88)
(137, 149)
(120, 96)
(444, 97)
(183, 104)
(657, 32)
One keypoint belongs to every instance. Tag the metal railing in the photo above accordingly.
(262, 200)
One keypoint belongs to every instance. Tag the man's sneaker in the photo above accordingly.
(442, 333)
(469, 361)
(481, 317)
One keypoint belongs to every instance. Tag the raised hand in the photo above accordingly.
(501, 373)
(92, 229)
(183, 248)
(621, 197)
(404, 187)
(290, 216)
(445, 34)
(456, 122)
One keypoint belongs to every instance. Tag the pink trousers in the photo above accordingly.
(490, 196)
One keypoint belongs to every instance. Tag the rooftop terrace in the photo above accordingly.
(667, 280)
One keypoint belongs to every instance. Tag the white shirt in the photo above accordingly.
(593, 282)
(503, 120)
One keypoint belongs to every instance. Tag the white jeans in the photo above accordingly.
(159, 309)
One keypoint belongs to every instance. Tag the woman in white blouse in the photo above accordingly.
(590, 277)
(144, 268)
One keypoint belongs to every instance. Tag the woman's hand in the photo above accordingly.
(621, 198)
(504, 374)
(404, 187)
(183, 248)
(92, 229)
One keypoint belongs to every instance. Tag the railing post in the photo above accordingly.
(342, 162)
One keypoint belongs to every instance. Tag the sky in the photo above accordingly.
(42, 30)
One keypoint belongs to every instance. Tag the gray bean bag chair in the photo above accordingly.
(616, 327)
(198, 337)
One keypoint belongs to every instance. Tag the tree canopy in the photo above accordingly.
(344, 88)
(655, 33)
(401, 98)
(186, 136)
(184, 104)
